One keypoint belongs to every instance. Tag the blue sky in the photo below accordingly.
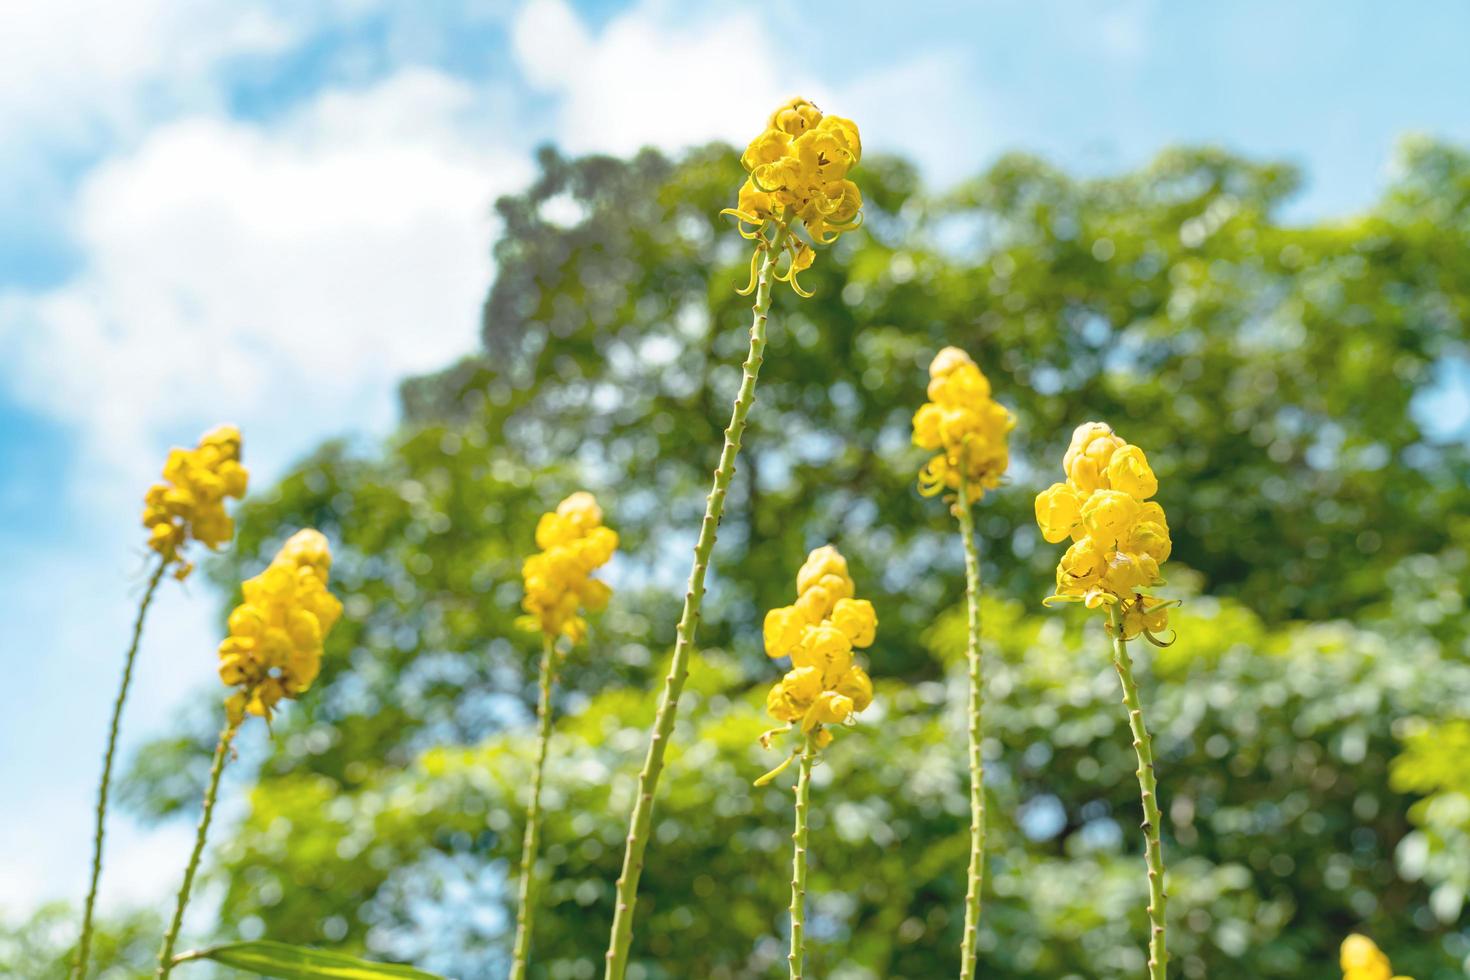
(269, 212)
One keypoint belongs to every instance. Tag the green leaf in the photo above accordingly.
(269, 959)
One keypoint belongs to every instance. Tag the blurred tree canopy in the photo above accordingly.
(1283, 380)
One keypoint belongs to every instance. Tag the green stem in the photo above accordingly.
(221, 753)
(798, 861)
(84, 945)
(976, 875)
(1158, 956)
(621, 938)
(525, 912)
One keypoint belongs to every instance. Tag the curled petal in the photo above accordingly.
(776, 771)
(754, 273)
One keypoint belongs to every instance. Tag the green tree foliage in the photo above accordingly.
(1279, 377)
(43, 946)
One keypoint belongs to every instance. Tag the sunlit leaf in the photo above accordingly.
(281, 960)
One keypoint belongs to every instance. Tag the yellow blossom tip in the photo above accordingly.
(557, 580)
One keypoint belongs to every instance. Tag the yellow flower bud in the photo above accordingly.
(782, 631)
(1128, 471)
(947, 360)
(822, 561)
(857, 685)
(795, 117)
(814, 604)
(1107, 515)
(830, 708)
(1148, 538)
(1080, 567)
(857, 619)
(927, 421)
(1126, 573)
(1058, 511)
(826, 648)
(581, 509)
(1086, 460)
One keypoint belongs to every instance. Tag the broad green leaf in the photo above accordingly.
(270, 959)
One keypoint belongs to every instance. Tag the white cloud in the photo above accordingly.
(653, 77)
(645, 81)
(68, 67)
(285, 276)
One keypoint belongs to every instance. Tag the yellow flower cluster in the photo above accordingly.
(274, 649)
(1119, 536)
(819, 632)
(1363, 960)
(191, 500)
(962, 421)
(798, 171)
(558, 585)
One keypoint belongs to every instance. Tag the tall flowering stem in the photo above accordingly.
(969, 430)
(798, 860)
(824, 687)
(976, 875)
(84, 945)
(188, 505)
(1120, 538)
(797, 184)
(559, 589)
(273, 652)
(1158, 956)
(221, 755)
(668, 704)
(533, 814)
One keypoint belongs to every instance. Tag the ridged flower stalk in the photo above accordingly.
(824, 690)
(976, 876)
(272, 653)
(798, 860)
(1119, 539)
(188, 505)
(221, 756)
(1158, 956)
(525, 911)
(668, 704)
(968, 429)
(84, 944)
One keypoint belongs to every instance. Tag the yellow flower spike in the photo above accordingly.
(274, 647)
(189, 504)
(1119, 541)
(798, 179)
(965, 424)
(557, 580)
(819, 632)
(1361, 959)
